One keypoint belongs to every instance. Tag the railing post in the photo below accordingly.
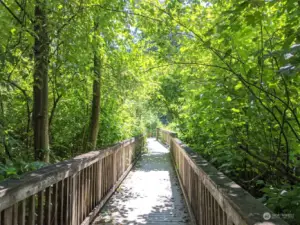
(8, 216)
(115, 167)
(99, 176)
(74, 200)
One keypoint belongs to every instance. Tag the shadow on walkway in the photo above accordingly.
(150, 194)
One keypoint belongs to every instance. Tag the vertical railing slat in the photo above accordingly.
(54, 217)
(61, 202)
(22, 213)
(48, 206)
(74, 200)
(40, 215)
(99, 181)
(79, 198)
(15, 214)
(82, 196)
(31, 210)
(8, 216)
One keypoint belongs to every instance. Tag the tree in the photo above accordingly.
(95, 113)
(40, 85)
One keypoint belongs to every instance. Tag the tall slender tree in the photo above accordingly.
(95, 113)
(40, 85)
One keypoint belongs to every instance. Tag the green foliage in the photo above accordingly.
(223, 74)
(124, 88)
(15, 169)
(284, 201)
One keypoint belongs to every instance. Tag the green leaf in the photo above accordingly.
(228, 99)
(235, 110)
(238, 86)
(260, 182)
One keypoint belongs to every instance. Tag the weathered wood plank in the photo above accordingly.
(74, 200)
(31, 210)
(47, 220)
(22, 212)
(40, 211)
(79, 198)
(8, 216)
(99, 187)
(61, 202)
(15, 214)
(55, 205)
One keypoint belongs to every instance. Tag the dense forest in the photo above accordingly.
(83, 74)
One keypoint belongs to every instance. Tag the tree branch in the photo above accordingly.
(11, 12)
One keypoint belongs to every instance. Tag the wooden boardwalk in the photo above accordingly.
(150, 194)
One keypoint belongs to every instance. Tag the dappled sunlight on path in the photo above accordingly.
(149, 195)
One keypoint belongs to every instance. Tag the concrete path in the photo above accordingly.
(150, 194)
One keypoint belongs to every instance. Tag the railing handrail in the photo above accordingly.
(167, 131)
(15, 190)
(237, 203)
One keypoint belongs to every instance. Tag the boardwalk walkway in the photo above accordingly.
(150, 194)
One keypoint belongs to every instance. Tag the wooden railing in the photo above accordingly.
(70, 192)
(213, 198)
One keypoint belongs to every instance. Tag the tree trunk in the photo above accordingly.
(94, 123)
(40, 85)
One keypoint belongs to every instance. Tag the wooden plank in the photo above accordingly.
(31, 210)
(220, 216)
(95, 184)
(40, 211)
(15, 214)
(79, 198)
(114, 161)
(212, 213)
(74, 200)
(207, 207)
(109, 170)
(85, 191)
(83, 195)
(22, 213)
(105, 176)
(8, 216)
(70, 198)
(47, 220)
(66, 201)
(224, 218)
(55, 205)
(199, 201)
(61, 202)
(89, 191)
(99, 181)
(92, 186)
